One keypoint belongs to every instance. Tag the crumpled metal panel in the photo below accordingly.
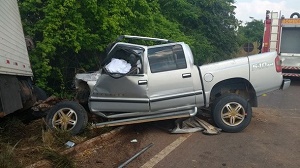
(88, 76)
(123, 94)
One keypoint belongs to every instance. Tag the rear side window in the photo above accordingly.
(166, 58)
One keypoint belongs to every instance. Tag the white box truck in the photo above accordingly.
(16, 87)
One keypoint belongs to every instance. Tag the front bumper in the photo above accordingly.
(285, 84)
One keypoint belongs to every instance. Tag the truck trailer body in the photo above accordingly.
(16, 89)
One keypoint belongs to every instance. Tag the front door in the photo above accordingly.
(123, 85)
(126, 94)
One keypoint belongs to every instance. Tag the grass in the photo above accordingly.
(55, 138)
(11, 127)
(34, 143)
(59, 160)
(7, 156)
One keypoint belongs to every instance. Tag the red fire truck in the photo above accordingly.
(283, 36)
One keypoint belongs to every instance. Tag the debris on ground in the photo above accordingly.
(134, 141)
(44, 105)
(70, 144)
(194, 124)
(135, 156)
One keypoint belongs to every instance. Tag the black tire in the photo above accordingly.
(231, 113)
(39, 93)
(68, 116)
(295, 14)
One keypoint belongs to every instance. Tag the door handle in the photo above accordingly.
(142, 82)
(186, 75)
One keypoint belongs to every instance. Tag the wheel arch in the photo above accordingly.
(82, 91)
(239, 86)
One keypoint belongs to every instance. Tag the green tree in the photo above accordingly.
(72, 35)
(211, 24)
(61, 34)
(252, 31)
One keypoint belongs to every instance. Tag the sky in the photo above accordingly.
(257, 8)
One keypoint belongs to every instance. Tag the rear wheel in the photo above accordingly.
(67, 116)
(231, 113)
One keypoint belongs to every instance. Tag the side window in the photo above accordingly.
(125, 60)
(166, 58)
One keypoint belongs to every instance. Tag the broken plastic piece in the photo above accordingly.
(134, 141)
(194, 124)
(135, 156)
(70, 144)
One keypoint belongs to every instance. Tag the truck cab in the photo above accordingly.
(159, 78)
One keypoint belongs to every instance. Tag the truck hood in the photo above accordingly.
(89, 78)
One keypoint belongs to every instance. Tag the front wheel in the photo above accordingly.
(67, 116)
(231, 113)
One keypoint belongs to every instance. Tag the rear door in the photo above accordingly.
(170, 81)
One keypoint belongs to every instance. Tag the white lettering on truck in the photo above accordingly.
(261, 65)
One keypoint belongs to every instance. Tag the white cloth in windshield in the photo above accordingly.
(118, 66)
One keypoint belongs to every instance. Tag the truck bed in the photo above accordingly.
(14, 58)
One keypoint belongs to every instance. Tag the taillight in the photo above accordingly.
(278, 64)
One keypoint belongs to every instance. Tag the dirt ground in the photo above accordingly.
(271, 140)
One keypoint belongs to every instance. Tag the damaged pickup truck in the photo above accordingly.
(140, 83)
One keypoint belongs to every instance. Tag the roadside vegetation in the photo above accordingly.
(7, 156)
(71, 36)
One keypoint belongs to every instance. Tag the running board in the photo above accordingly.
(158, 117)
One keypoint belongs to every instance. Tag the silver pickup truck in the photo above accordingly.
(142, 83)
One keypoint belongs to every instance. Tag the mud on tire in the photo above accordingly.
(68, 116)
(231, 113)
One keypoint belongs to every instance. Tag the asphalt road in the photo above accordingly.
(271, 140)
